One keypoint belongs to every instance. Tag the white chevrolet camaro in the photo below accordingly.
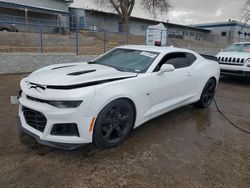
(69, 105)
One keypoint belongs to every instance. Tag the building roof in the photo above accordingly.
(34, 8)
(173, 24)
(222, 24)
(148, 20)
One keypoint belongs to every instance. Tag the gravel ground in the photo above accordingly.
(188, 147)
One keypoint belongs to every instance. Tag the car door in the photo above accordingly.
(172, 89)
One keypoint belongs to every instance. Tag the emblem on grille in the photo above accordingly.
(36, 86)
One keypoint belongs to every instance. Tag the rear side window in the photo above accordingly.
(178, 60)
(191, 58)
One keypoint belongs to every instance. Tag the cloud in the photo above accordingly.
(181, 13)
(218, 12)
(204, 11)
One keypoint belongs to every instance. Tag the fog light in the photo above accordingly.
(65, 129)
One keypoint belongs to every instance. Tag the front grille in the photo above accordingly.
(231, 61)
(34, 119)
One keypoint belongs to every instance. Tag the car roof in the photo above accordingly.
(164, 49)
(242, 43)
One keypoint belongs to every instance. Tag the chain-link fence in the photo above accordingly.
(22, 37)
(52, 38)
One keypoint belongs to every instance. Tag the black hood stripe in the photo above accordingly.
(63, 67)
(80, 72)
(76, 86)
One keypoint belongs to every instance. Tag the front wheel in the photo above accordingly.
(207, 95)
(113, 123)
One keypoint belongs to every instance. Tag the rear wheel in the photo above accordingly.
(207, 95)
(113, 123)
(5, 30)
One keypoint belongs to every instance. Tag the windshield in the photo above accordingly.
(128, 60)
(238, 48)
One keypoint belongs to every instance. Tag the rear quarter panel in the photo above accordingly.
(205, 69)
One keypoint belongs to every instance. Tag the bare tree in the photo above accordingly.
(124, 8)
(153, 6)
(246, 12)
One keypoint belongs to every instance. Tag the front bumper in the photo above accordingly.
(235, 73)
(235, 70)
(55, 116)
(64, 146)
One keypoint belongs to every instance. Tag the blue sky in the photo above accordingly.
(186, 11)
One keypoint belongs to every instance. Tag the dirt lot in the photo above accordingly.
(188, 147)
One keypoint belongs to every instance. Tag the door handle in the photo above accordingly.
(190, 73)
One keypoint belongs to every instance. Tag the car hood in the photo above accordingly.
(244, 55)
(75, 73)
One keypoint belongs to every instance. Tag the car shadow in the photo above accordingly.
(42, 150)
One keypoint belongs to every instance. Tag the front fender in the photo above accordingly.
(134, 89)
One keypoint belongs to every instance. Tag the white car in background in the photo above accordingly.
(235, 59)
(70, 105)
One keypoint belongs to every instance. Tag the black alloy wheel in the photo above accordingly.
(113, 123)
(208, 94)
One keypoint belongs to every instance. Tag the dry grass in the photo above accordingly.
(90, 43)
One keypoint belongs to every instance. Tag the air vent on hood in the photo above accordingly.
(63, 67)
(80, 72)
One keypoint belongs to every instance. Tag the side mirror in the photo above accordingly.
(166, 68)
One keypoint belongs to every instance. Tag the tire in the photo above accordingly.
(113, 123)
(5, 30)
(207, 95)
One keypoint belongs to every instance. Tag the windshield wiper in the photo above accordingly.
(91, 62)
(124, 69)
(116, 68)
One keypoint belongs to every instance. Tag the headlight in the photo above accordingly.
(248, 62)
(65, 104)
(19, 93)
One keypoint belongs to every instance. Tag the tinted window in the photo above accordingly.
(191, 58)
(178, 60)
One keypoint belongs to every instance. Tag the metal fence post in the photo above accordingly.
(167, 37)
(104, 40)
(41, 39)
(128, 34)
(77, 41)
(161, 37)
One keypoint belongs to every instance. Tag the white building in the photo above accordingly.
(228, 32)
(43, 12)
(100, 20)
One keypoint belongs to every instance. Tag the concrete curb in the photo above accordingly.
(28, 62)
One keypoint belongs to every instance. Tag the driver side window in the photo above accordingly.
(178, 60)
